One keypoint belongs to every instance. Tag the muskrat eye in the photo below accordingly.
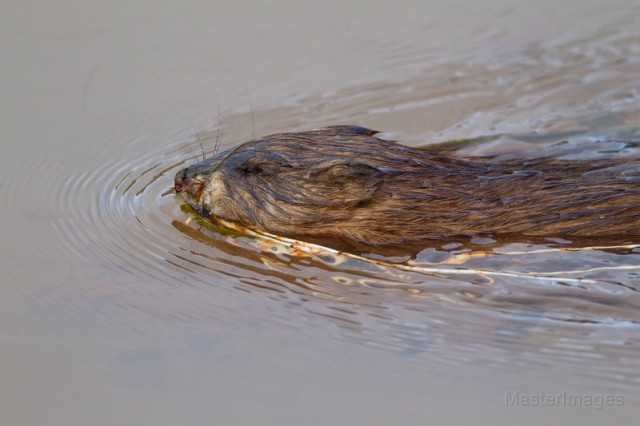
(248, 169)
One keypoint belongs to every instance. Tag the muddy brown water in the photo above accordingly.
(117, 307)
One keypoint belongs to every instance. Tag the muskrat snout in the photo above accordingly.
(188, 186)
(180, 183)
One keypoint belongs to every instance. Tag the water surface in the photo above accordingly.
(117, 307)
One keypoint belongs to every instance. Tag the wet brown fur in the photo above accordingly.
(344, 183)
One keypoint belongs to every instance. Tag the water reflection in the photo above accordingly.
(505, 303)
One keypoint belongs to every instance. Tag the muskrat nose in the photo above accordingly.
(180, 183)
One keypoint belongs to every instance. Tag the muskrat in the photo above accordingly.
(343, 183)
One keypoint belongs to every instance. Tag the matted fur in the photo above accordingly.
(343, 182)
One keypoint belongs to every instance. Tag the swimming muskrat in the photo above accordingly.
(343, 183)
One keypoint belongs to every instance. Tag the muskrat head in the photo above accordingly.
(287, 182)
(193, 184)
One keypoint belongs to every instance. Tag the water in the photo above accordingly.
(117, 307)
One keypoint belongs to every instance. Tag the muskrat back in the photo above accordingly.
(345, 183)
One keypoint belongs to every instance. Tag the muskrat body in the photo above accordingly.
(342, 183)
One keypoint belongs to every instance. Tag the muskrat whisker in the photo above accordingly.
(186, 188)
(196, 135)
(194, 181)
(253, 118)
(193, 154)
(231, 152)
(219, 135)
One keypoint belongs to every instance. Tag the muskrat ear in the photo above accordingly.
(347, 183)
(250, 168)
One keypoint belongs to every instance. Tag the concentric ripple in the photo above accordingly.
(483, 301)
